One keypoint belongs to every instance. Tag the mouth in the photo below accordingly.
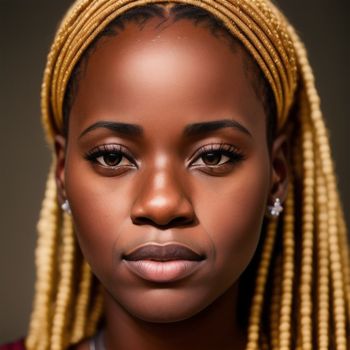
(163, 263)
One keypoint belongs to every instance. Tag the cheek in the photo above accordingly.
(100, 210)
(232, 215)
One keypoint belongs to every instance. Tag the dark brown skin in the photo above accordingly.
(164, 79)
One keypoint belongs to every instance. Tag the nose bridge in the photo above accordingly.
(162, 186)
(162, 197)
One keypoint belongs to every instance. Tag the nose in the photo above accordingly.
(162, 201)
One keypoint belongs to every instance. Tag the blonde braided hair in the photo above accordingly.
(304, 255)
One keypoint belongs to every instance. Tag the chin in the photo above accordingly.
(166, 314)
(166, 305)
(163, 318)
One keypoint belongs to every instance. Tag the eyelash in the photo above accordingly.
(234, 155)
(221, 149)
(104, 150)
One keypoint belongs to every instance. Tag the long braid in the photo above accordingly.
(345, 256)
(45, 263)
(254, 329)
(288, 274)
(82, 304)
(275, 306)
(64, 291)
(339, 311)
(323, 262)
(307, 241)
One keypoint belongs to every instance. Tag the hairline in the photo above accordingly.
(259, 83)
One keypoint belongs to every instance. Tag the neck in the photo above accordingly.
(215, 327)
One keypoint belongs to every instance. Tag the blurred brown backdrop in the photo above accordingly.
(26, 30)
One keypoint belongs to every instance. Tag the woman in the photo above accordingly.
(191, 155)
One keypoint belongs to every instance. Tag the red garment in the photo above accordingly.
(18, 345)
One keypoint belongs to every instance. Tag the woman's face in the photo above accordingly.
(166, 169)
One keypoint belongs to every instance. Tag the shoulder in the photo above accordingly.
(18, 345)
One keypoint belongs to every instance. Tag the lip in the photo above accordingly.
(160, 252)
(163, 263)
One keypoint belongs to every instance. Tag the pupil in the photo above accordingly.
(112, 159)
(211, 158)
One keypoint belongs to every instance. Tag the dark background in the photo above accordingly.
(26, 31)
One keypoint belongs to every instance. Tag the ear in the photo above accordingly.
(279, 173)
(60, 152)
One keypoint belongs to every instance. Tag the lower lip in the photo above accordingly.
(163, 271)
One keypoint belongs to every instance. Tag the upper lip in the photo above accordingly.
(163, 253)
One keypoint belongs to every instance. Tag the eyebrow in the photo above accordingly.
(121, 128)
(205, 127)
(190, 130)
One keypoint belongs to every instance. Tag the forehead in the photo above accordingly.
(165, 71)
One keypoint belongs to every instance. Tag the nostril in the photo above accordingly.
(181, 220)
(178, 221)
(142, 220)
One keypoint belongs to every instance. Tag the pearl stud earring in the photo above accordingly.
(276, 209)
(66, 207)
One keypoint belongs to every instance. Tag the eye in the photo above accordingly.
(110, 156)
(110, 159)
(214, 158)
(217, 155)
